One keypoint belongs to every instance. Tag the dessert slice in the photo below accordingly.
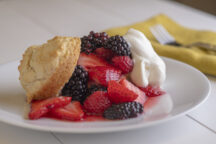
(46, 68)
(95, 76)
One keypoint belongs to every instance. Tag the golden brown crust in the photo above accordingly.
(63, 59)
(58, 79)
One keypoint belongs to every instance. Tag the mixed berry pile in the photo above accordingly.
(98, 88)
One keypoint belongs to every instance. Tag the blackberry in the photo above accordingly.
(123, 110)
(93, 41)
(118, 45)
(76, 87)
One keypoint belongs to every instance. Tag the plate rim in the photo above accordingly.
(116, 129)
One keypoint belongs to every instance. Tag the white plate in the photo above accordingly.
(187, 86)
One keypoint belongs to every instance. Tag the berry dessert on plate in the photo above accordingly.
(95, 77)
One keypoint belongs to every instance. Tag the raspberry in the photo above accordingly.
(77, 85)
(93, 41)
(124, 63)
(118, 45)
(97, 102)
(123, 110)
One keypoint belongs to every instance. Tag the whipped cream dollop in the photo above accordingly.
(149, 68)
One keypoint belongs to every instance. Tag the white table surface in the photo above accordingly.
(23, 23)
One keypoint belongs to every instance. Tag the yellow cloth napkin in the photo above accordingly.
(204, 60)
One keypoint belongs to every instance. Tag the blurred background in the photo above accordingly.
(204, 5)
(27, 22)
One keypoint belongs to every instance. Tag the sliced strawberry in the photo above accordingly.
(97, 102)
(41, 107)
(72, 112)
(151, 91)
(104, 53)
(91, 60)
(103, 74)
(124, 63)
(119, 93)
(141, 95)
